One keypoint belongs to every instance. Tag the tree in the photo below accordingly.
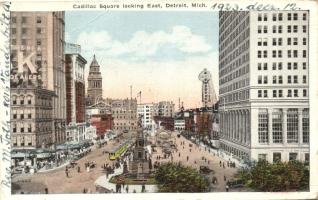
(177, 178)
(280, 176)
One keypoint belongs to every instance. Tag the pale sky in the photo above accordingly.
(158, 53)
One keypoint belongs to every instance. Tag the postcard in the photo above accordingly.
(158, 99)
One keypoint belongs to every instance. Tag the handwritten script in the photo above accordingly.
(5, 138)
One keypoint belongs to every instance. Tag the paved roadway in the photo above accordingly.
(56, 180)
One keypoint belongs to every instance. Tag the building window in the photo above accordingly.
(277, 157)
(265, 93)
(274, 93)
(259, 93)
(279, 53)
(274, 42)
(24, 20)
(304, 65)
(304, 79)
(304, 93)
(38, 20)
(280, 79)
(289, 41)
(280, 66)
(22, 116)
(292, 125)
(14, 100)
(262, 157)
(280, 93)
(289, 17)
(29, 128)
(304, 29)
(22, 129)
(295, 16)
(274, 29)
(274, 54)
(259, 18)
(263, 126)
(265, 80)
(259, 80)
(289, 79)
(289, 93)
(259, 29)
(277, 127)
(289, 53)
(305, 121)
(289, 29)
(38, 30)
(289, 66)
(280, 29)
(304, 41)
(274, 79)
(295, 41)
(280, 16)
(265, 54)
(14, 128)
(29, 115)
(259, 54)
(13, 20)
(295, 66)
(295, 93)
(295, 53)
(280, 41)
(306, 159)
(259, 66)
(304, 16)
(304, 54)
(295, 79)
(265, 66)
(292, 156)
(273, 66)
(265, 17)
(295, 28)
(265, 29)
(38, 42)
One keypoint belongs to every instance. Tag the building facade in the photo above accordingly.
(146, 110)
(263, 75)
(208, 98)
(95, 83)
(103, 124)
(37, 57)
(124, 112)
(164, 109)
(75, 95)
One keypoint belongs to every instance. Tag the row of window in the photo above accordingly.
(279, 79)
(279, 41)
(292, 132)
(279, 16)
(279, 66)
(24, 20)
(279, 93)
(279, 54)
(25, 31)
(277, 157)
(279, 29)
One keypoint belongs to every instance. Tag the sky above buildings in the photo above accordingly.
(158, 53)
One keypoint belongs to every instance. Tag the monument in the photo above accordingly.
(139, 166)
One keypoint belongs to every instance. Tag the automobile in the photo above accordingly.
(235, 183)
(205, 170)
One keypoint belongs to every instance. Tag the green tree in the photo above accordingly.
(280, 176)
(177, 178)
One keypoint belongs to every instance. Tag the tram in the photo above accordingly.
(118, 151)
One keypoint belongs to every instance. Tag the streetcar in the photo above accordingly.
(118, 151)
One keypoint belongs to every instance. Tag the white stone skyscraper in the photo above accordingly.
(263, 76)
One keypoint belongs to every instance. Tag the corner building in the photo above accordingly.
(263, 78)
(38, 93)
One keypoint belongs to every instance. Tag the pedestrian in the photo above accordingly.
(127, 189)
(224, 178)
(227, 188)
(134, 191)
(46, 190)
(84, 190)
(179, 154)
(143, 188)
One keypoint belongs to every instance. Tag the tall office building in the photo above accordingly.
(95, 84)
(208, 93)
(37, 79)
(75, 93)
(263, 75)
(164, 109)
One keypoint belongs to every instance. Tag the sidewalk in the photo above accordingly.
(103, 182)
